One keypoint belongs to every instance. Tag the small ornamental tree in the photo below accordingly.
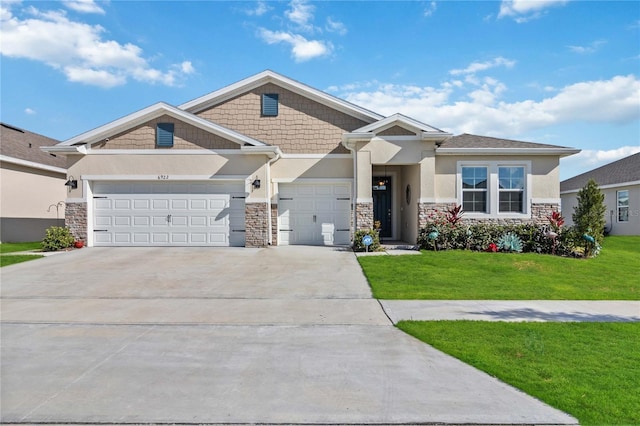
(588, 215)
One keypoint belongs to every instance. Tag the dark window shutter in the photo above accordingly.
(270, 104)
(164, 134)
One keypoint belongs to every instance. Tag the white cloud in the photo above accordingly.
(483, 66)
(84, 6)
(30, 111)
(526, 10)
(335, 27)
(301, 14)
(616, 100)
(261, 7)
(431, 9)
(79, 51)
(301, 48)
(590, 48)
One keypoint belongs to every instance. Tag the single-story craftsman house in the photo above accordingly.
(32, 191)
(271, 161)
(620, 183)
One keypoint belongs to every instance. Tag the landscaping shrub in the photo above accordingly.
(357, 240)
(456, 235)
(57, 238)
(589, 218)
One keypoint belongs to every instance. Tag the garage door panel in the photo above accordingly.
(142, 238)
(160, 204)
(122, 221)
(166, 213)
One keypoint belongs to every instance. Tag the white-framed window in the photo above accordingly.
(500, 189)
(511, 183)
(474, 189)
(622, 203)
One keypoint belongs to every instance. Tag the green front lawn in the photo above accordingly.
(467, 275)
(589, 370)
(14, 247)
(6, 250)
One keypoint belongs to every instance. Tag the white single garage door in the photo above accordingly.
(168, 214)
(314, 214)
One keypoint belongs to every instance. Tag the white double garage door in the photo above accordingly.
(141, 213)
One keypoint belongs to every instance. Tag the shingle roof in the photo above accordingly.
(621, 171)
(466, 140)
(25, 145)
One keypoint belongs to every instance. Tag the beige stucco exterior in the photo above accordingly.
(29, 200)
(613, 225)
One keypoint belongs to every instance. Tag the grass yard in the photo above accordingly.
(466, 275)
(589, 370)
(7, 249)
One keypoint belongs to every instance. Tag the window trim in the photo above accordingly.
(493, 189)
(476, 190)
(619, 207)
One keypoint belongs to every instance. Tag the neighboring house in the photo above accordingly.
(271, 161)
(32, 190)
(620, 183)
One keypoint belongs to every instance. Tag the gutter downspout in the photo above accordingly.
(269, 218)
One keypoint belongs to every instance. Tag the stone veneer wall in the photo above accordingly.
(75, 217)
(364, 215)
(255, 220)
(539, 214)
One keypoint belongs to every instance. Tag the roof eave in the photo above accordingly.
(149, 113)
(561, 152)
(268, 150)
(32, 164)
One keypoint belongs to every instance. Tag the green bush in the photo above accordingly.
(477, 237)
(57, 238)
(589, 217)
(357, 240)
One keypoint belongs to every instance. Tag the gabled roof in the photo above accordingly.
(268, 76)
(624, 171)
(137, 118)
(21, 146)
(405, 122)
(480, 145)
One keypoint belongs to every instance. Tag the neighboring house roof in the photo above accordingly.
(144, 115)
(624, 171)
(21, 146)
(481, 145)
(268, 76)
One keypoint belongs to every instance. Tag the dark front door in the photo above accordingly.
(381, 188)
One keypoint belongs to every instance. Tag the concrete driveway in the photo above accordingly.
(194, 336)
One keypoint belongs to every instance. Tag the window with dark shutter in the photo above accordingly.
(164, 135)
(269, 104)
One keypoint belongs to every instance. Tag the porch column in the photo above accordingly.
(364, 197)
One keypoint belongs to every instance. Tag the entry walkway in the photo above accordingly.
(512, 310)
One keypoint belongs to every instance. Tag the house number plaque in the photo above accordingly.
(163, 177)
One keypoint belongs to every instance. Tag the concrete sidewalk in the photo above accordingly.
(513, 310)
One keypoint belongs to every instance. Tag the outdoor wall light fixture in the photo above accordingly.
(256, 183)
(72, 183)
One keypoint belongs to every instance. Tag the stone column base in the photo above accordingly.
(75, 217)
(255, 224)
(364, 216)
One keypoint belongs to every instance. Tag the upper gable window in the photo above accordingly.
(164, 135)
(269, 104)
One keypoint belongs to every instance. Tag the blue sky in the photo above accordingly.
(558, 72)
